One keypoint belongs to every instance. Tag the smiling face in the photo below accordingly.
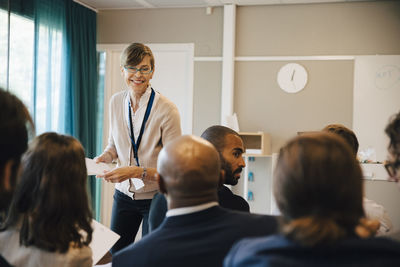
(138, 82)
(232, 160)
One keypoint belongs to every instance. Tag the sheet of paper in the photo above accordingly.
(102, 240)
(137, 183)
(94, 168)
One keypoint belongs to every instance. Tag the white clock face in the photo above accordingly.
(292, 78)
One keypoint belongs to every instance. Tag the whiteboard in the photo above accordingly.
(376, 99)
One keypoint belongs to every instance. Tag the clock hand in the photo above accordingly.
(293, 75)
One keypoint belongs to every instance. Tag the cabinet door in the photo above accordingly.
(255, 184)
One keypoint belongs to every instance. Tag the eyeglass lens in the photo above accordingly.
(144, 70)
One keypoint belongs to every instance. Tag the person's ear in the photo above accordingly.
(122, 70)
(6, 175)
(161, 183)
(151, 74)
(221, 178)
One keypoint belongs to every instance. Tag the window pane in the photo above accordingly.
(21, 58)
(3, 47)
(48, 79)
(101, 61)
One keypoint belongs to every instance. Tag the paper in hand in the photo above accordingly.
(94, 168)
(102, 240)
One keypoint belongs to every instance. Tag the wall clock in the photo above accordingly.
(292, 78)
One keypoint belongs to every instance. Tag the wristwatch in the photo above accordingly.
(144, 173)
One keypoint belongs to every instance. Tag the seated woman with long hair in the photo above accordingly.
(49, 221)
(318, 188)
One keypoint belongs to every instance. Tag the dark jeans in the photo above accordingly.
(127, 214)
(158, 209)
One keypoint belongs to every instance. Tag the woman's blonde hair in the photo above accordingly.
(134, 54)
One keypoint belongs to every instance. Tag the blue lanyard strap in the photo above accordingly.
(146, 117)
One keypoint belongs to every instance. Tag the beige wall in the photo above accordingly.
(207, 95)
(358, 28)
(307, 30)
(180, 25)
(361, 28)
(262, 106)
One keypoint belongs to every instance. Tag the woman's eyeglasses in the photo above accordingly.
(143, 70)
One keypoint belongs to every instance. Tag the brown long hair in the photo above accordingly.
(392, 130)
(51, 198)
(318, 188)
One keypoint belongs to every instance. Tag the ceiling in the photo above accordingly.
(139, 4)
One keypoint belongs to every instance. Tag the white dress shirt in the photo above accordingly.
(190, 209)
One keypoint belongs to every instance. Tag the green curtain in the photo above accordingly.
(82, 81)
(50, 49)
(62, 92)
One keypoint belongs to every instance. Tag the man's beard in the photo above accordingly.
(229, 174)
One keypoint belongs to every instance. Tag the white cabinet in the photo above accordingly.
(256, 181)
(258, 143)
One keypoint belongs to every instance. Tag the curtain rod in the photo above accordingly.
(87, 6)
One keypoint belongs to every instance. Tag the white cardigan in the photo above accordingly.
(163, 125)
(21, 256)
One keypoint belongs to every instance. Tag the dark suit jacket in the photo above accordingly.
(229, 200)
(226, 199)
(198, 239)
(3, 262)
(279, 251)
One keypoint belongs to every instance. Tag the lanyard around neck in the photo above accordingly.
(136, 145)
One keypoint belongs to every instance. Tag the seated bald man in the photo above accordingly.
(196, 231)
(230, 147)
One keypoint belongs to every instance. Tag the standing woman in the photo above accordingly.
(142, 121)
